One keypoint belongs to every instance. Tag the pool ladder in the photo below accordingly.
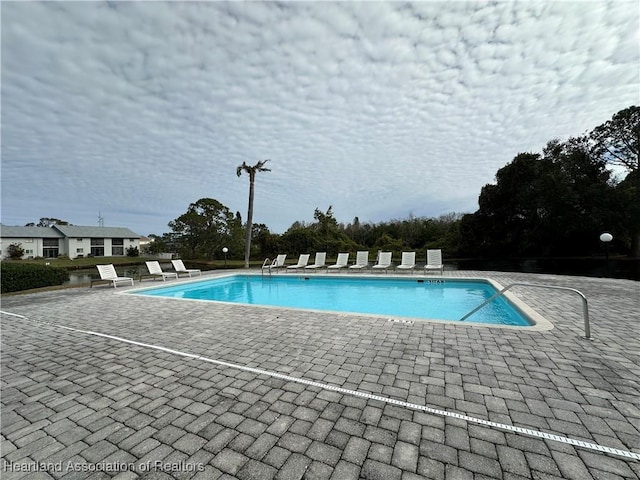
(267, 264)
(585, 307)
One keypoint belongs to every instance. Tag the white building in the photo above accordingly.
(71, 240)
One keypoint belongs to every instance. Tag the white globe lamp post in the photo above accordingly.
(606, 238)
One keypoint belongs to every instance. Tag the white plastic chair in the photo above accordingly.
(341, 262)
(156, 271)
(408, 261)
(434, 261)
(179, 267)
(319, 261)
(108, 274)
(362, 260)
(303, 260)
(384, 262)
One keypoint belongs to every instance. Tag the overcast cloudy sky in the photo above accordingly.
(136, 109)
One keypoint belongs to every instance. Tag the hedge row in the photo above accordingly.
(16, 276)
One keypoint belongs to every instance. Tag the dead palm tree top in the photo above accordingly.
(251, 170)
(258, 167)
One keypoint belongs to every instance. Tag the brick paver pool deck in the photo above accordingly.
(79, 405)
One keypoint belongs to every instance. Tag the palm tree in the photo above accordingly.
(258, 167)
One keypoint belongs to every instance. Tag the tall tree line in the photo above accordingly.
(559, 201)
(550, 203)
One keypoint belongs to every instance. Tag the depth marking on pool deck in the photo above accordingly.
(413, 406)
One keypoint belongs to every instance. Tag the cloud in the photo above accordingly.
(136, 109)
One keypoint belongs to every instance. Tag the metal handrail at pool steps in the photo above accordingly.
(585, 306)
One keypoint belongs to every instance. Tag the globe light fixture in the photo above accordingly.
(606, 237)
(225, 250)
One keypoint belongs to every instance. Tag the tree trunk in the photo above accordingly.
(247, 241)
(635, 244)
(635, 209)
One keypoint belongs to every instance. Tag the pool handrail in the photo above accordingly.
(585, 306)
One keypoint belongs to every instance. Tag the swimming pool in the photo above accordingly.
(441, 299)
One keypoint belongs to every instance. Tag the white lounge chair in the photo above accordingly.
(362, 260)
(108, 274)
(434, 261)
(319, 261)
(408, 261)
(303, 260)
(179, 267)
(384, 262)
(274, 264)
(341, 262)
(155, 270)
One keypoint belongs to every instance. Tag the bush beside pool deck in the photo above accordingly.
(95, 379)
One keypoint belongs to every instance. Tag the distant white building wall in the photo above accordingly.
(35, 241)
(74, 241)
(78, 247)
(32, 246)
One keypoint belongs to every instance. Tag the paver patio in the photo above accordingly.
(77, 405)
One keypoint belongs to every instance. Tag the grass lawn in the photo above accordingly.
(85, 262)
(90, 262)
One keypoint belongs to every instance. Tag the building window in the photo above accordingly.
(79, 250)
(50, 247)
(79, 239)
(132, 239)
(28, 240)
(97, 247)
(117, 246)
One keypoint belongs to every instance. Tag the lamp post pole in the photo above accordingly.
(606, 238)
(225, 250)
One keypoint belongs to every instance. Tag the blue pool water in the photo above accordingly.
(430, 299)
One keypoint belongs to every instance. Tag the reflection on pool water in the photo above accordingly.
(441, 299)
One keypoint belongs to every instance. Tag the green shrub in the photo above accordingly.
(133, 252)
(15, 251)
(17, 276)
